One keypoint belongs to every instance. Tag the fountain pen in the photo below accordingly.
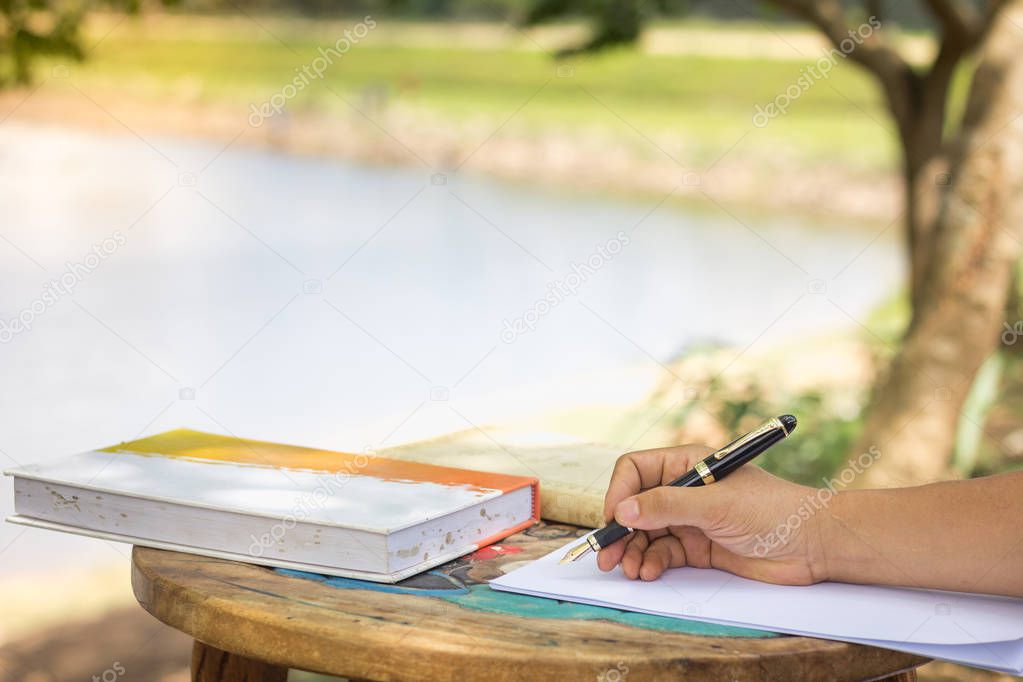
(713, 468)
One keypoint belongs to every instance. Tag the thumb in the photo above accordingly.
(666, 506)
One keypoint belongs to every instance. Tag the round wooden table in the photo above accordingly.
(253, 623)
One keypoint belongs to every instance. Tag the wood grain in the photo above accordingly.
(259, 614)
(210, 664)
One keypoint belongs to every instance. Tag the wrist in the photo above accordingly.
(845, 550)
(821, 541)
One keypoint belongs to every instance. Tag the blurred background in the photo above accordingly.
(353, 224)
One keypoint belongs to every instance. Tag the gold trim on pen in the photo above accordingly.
(770, 425)
(704, 471)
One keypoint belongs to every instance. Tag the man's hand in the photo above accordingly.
(748, 524)
(954, 535)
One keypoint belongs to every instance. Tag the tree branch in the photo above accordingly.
(875, 8)
(958, 20)
(994, 7)
(896, 76)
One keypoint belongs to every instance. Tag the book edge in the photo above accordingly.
(320, 569)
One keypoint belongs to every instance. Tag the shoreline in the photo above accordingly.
(585, 162)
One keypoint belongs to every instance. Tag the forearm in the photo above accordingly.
(957, 535)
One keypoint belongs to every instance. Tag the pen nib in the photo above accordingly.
(577, 552)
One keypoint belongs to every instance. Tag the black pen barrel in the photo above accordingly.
(720, 468)
(611, 533)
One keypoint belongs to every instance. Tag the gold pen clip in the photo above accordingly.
(770, 425)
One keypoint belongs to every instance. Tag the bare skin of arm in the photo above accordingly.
(956, 535)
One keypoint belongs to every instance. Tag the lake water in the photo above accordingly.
(323, 303)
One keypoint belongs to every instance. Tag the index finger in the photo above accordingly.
(637, 471)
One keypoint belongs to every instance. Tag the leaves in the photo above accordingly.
(616, 22)
(33, 28)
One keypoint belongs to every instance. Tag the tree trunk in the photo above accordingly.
(924, 174)
(925, 169)
(962, 294)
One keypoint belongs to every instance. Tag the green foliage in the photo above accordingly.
(823, 439)
(36, 27)
(616, 22)
(822, 446)
(982, 396)
(888, 321)
(33, 28)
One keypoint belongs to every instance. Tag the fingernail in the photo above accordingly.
(628, 511)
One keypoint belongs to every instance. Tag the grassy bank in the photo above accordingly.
(695, 105)
(705, 103)
(490, 98)
(700, 105)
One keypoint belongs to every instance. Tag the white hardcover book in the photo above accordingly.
(357, 516)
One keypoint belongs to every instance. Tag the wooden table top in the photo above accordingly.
(448, 624)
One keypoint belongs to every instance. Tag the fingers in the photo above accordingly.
(738, 564)
(679, 460)
(610, 556)
(638, 471)
(695, 545)
(703, 507)
(663, 553)
(765, 570)
(647, 554)
(633, 558)
(633, 472)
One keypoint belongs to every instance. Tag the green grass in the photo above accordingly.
(702, 104)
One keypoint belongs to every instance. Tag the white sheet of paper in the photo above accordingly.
(979, 630)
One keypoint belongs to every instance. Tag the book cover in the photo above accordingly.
(277, 504)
